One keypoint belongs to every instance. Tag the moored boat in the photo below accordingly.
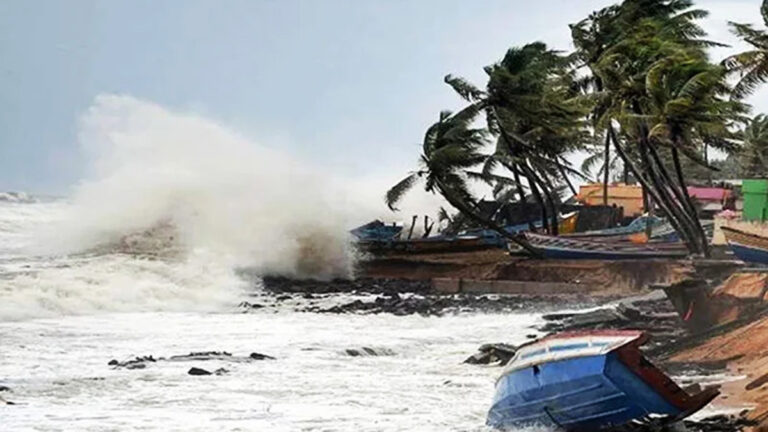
(587, 381)
(748, 247)
(569, 248)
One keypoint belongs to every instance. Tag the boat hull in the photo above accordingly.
(587, 393)
(748, 247)
(749, 254)
(588, 381)
(573, 249)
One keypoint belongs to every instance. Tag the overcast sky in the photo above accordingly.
(347, 85)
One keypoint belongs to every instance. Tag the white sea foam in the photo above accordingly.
(231, 203)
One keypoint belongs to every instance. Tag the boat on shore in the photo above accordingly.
(588, 381)
(570, 248)
(748, 247)
(638, 225)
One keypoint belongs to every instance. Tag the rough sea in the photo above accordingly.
(64, 316)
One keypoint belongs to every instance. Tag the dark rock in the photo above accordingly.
(493, 353)
(4, 388)
(198, 371)
(202, 355)
(259, 356)
(368, 352)
(135, 365)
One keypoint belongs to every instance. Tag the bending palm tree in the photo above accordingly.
(450, 148)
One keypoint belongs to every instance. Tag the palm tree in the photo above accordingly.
(754, 154)
(451, 147)
(752, 65)
(653, 34)
(687, 102)
(531, 108)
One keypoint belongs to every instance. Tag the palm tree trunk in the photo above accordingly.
(523, 202)
(607, 165)
(645, 183)
(657, 175)
(547, 187)
(689, 202)
(537, 195)
(567, 180)
(681, 194)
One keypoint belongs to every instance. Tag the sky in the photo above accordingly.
(345, 85)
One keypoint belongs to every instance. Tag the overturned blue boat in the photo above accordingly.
(588, 381)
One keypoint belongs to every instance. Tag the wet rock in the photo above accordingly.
(135, 366)
(718, 423)
(499, 353)
(361, 285)
(260, 356)
(135, 363)
(249, 305)
(198, 371)
(368, 352)
(202, 355)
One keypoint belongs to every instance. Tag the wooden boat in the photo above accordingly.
(637, 225)
(437, 244)
(377, 231)
(566, 225)
(569, 248)
(750, 248)
(587, 381)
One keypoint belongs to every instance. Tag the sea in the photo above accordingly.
(65, 315)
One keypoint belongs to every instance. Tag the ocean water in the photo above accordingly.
(64, 316)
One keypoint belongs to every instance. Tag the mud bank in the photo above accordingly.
(588, 277)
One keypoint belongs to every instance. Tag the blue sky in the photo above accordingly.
(347, 85)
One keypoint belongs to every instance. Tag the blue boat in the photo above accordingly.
(377, 231)
(588, 381)
(638, 225)
(569, 248)
(750, 248)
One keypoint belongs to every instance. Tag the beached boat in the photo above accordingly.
(570, 248)
(636, 226)
(437, 244)
(750, 248)
(566, 225)
(377, 231)
(588, 381)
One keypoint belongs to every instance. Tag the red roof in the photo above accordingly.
(708, 194)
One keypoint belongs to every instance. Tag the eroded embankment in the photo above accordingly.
(740, 343)
(588, 277)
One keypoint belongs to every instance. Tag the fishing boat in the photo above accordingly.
(377, 231)
(569, 248)
(436, 244)
(566, 225)
(750, 248)
(588, 381)
(638, 225)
